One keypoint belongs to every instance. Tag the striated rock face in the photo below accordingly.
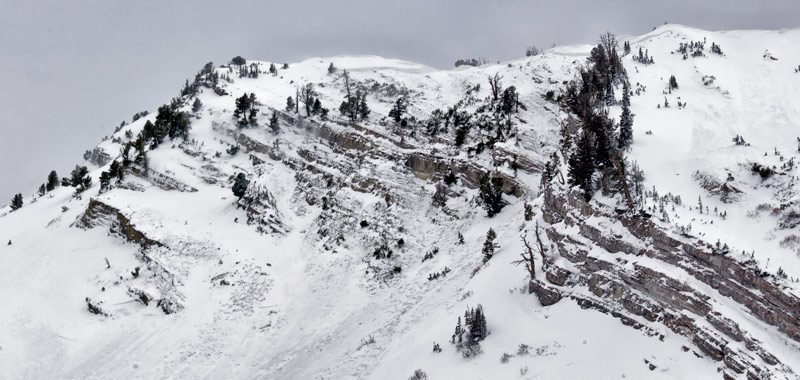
(547, 295)
(627, 288)
(427, 166)
(100, 214)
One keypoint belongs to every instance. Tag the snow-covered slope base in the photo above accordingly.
(354, 260)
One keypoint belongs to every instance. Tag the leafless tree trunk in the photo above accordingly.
(494, 82)
(528, 257)
(609, 42)
(307, 97)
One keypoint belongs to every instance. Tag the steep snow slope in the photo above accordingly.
(752, 96)
(300, 295)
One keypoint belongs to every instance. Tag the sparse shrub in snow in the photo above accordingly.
(436, 275)
(429, 255)
(523, 349)
(436, 348)
(366, 341)
(418, 375)
(470, 62)
(94, 307)
(791, 241)
(382, 252)
(471, 350)
(532, 51)
(505, 357)
(716, 49)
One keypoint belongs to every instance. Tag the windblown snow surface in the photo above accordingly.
(305, 299)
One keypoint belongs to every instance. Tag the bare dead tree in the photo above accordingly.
(528, 257)
(495, 84)
(609, 42)
(306, 95)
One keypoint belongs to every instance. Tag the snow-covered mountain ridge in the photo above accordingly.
(349, 257)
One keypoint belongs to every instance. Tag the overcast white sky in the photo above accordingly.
(70, 71)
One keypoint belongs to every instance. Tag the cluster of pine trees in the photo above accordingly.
(308, 96)
(246, 112)
(249, 71)
(644, 57)
(207, 77)
(467, 338)
(79, 179)
(597, 160)
(354, 106)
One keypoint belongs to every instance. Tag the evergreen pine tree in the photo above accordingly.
(197, 105)
(317, 107)
(491, 192)
(52, 181)
(290, 104)
(115, 171)
(582, 164)
(673, 83)
(42, 190)
(489, 245)
(77, 175)
(478, 330)
(240, 185)
(457, 334)
(16, 202)
(626, 120)
(331, 69)
(450, 178)
(251, 117)
(363, 109)
(398, 109)
(609, 97)
(272, 69)
(273, 122)
(105, 180)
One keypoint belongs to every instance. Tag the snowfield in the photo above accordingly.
(301, 295)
